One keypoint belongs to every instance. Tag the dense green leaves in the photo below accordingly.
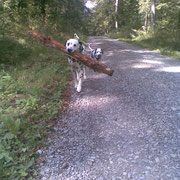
(135, 14)
(30, 98)
(103, 18)
(32, 77)
(53, 16)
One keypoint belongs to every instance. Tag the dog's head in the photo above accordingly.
(74, 45)
(98, 53)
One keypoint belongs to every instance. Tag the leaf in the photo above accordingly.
(12, 125)
(24, 149)
(29, 164)
(17, 123)
(6, 156)
(23, 173)
(9, 136)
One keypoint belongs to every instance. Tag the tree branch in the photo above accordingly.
(87, 61)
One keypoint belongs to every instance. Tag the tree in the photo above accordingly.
(110, 16)
(146, 16)
(153, 14)
(116, 14)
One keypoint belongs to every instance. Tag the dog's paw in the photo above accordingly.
(78, 89)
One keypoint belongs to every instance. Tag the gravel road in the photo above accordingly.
(124, 127)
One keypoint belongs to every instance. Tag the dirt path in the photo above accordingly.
(122, 127)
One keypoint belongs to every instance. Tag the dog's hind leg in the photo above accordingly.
(74, 77)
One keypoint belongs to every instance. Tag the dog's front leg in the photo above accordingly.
(80, 75)
(79, 87)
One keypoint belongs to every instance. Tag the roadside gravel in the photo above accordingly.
(124, 127)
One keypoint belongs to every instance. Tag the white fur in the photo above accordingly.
(78, 70)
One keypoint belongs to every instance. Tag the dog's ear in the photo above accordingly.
(102, 51)
(65, 43)
(76, 36)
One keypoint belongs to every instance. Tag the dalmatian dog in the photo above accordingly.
(78, 69)
(96, 53)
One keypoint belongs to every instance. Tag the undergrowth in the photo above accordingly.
(166, 43)
(32, 81)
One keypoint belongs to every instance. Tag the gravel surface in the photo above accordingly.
(124, 127)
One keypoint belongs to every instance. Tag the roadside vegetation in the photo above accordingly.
(34, 79)
(32, 83)
(163, 42)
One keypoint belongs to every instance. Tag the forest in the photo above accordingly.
(34, 79)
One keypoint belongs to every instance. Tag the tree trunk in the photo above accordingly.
(146, 16)
(153, 14)
(87, 61)
(116, 14)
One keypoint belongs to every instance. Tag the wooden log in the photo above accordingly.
(87, 61)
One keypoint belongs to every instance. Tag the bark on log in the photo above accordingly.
(87, 61)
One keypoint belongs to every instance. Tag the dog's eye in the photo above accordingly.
(68, 44)
(74, 45)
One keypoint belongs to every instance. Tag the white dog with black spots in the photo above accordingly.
(77, 68)
(96, 53)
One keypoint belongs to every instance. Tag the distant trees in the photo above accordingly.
(112, 15)
(135, 14)
(54, 16)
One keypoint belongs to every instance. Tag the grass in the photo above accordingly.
(33, 80)
(163, 42)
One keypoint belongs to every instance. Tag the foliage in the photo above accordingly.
(132, 16)
(17, 17)
(32, 77)
(31, 92)
(169, 46)
(103, 17)
(134, 23)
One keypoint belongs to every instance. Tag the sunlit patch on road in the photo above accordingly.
(142, 66)
(174, 69)
(152, 62)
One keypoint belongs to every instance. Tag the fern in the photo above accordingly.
(12, 125)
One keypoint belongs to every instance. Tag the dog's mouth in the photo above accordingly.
(98, 56)
(69, 50)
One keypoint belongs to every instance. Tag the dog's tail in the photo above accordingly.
(90, 47)
(76, 36)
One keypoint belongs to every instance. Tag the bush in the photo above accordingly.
(124, 32)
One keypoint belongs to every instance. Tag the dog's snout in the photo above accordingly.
(69, 50)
